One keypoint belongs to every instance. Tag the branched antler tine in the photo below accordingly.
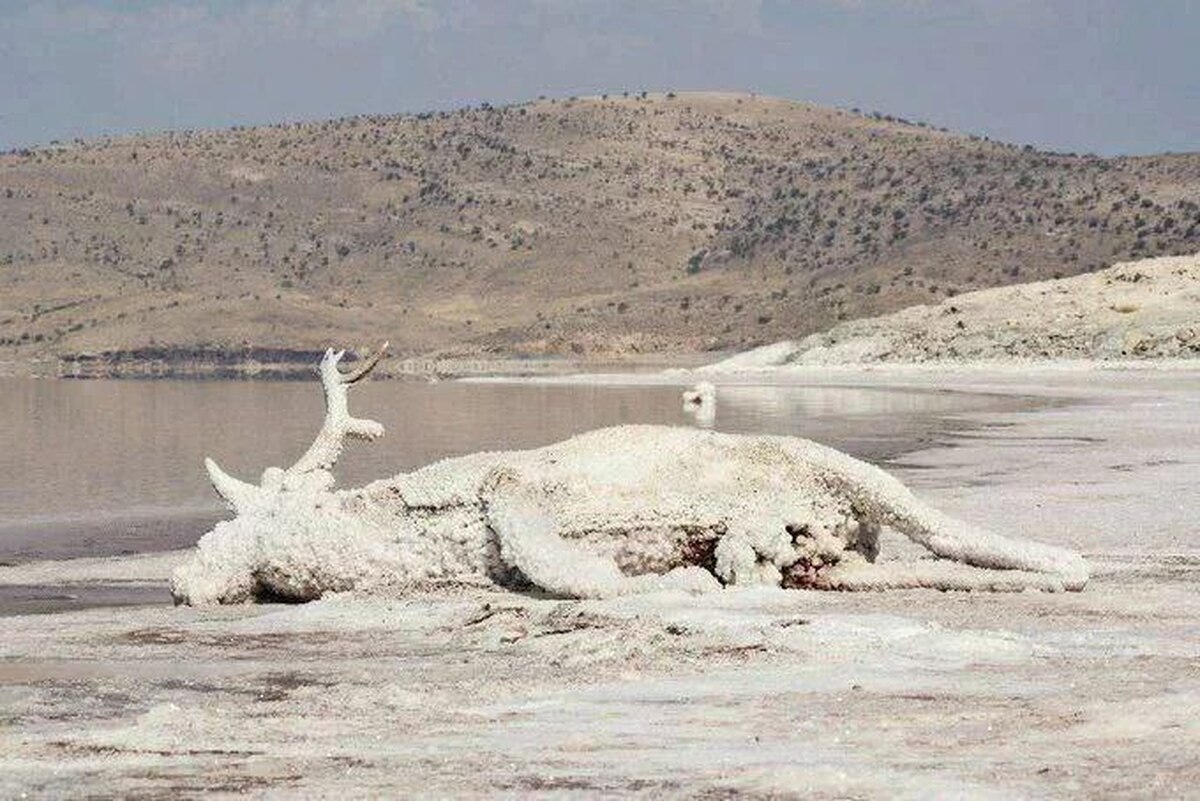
(327, 447)
(238, 494)
(361, 371)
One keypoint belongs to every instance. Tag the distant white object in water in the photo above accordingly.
(700, 395)
(610, 512)
(701, 403)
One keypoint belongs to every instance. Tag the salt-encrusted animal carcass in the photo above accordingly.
(613, 511)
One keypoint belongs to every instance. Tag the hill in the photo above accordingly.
(591, 227)
(1146, 309)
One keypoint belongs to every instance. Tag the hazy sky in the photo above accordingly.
(1108, 76)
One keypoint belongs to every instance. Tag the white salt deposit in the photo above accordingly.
(471, 691)
(1138, 310)
(611, 512)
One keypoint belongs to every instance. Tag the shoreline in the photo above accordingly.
(301, 366)
(740, 692)
(158, 533)
(1070, 387)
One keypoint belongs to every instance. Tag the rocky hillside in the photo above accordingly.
(588, 227)
(1146, 309)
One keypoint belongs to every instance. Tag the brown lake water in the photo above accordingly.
(98, 468)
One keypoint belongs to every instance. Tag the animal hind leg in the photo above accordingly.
(529, 541)
(884, 500)
(951, 538)
(938, 574)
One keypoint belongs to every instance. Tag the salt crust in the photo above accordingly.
(1137, 311)
(611, 512)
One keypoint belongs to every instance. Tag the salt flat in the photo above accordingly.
(471, 691)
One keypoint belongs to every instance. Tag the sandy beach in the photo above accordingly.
(472, 691)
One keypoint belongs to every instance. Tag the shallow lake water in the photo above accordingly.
(97, 468)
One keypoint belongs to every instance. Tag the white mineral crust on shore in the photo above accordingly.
(473, 691)
(610, 512)
(1138, 310)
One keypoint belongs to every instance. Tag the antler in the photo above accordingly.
(323, 453)
(240, 496)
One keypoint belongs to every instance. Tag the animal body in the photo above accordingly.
(613, 511)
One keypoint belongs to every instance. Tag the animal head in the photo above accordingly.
(289, 503)
(310, 475)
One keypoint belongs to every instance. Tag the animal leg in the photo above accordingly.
(739, 563)
(529, 541)
(940, 574)
(950, 538)
(884, 500)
